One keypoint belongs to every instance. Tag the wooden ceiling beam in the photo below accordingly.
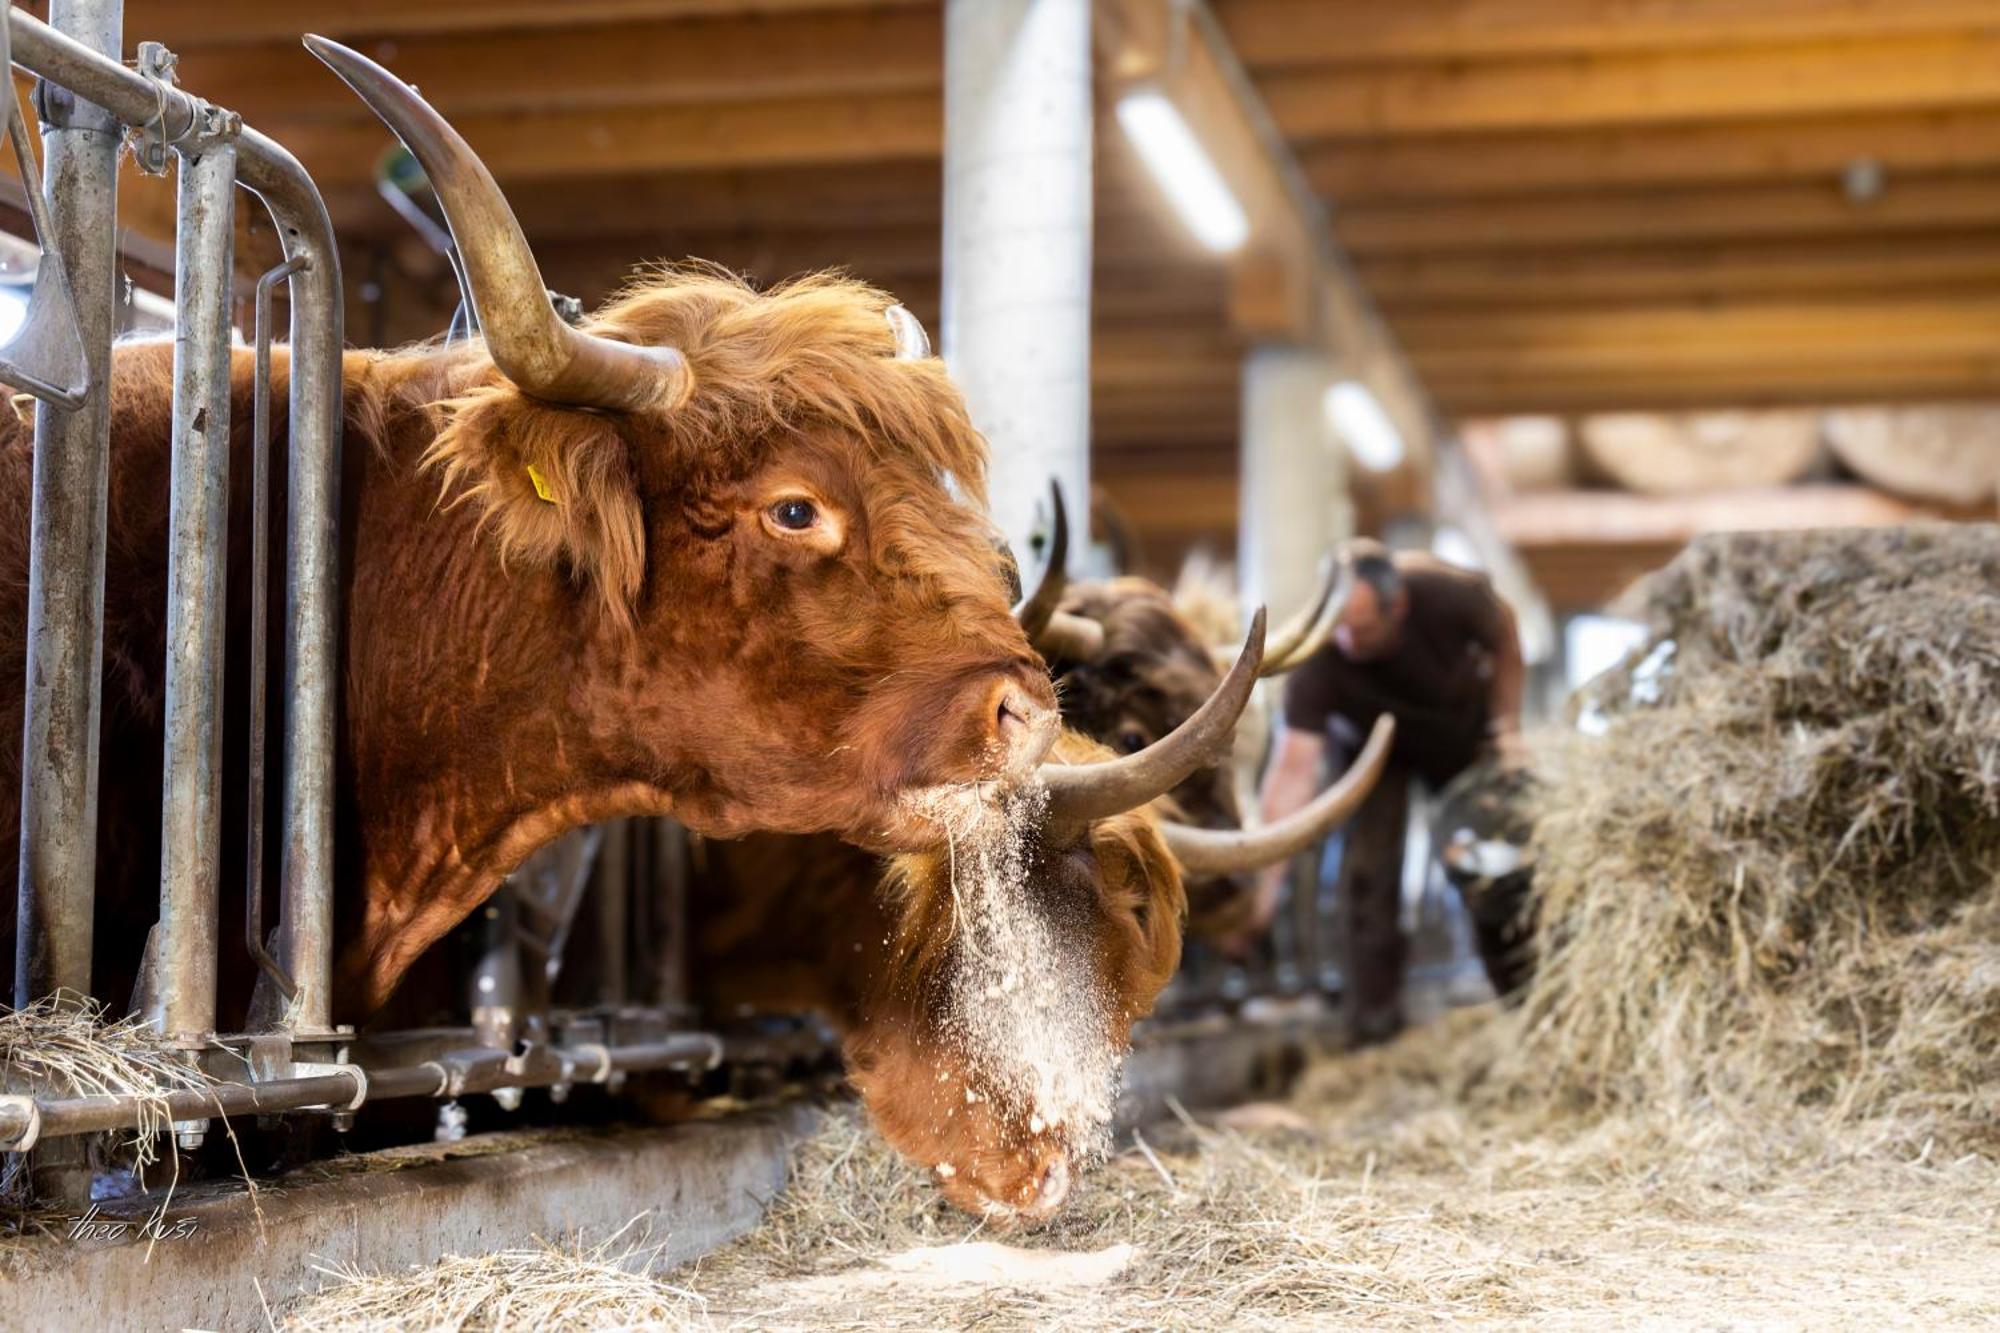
(1660, 329)
(1791, 269)
(1651, 156)
(1660, 387)
(188, 24)
(1828, 360)
(704, 60)
(1648, 87)
(831, 197)
(1277, 34)
(1555, 222)
(1561, 397)
(568, 145)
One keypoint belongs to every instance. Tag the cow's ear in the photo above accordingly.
(554, 486)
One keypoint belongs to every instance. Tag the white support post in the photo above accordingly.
(1016, 319)
(1294, 498)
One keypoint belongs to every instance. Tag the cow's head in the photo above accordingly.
(989, 1047)
(769, 509)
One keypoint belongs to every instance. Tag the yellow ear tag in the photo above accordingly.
(541, 485)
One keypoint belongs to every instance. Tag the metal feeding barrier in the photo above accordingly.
(288, 1054)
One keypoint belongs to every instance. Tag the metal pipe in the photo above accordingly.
(613, 888)
(312, 569)
(197, 592)
(312, 587)
(34, 1119)
(260, 579)
(65, 647)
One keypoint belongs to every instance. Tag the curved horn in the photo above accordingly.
(1285, 639)
(529, 343)
(1227, 851)
(1035, 609)
(1070, 638)
(912, 343)
(1305, 633)
(1096, 791)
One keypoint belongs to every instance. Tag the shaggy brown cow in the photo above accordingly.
(701, 555)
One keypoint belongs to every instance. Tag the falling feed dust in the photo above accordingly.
(1023, 1007)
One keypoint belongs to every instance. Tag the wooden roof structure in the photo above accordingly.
(1560, 205)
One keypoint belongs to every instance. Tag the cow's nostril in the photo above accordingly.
(1016, 714)
(1010, 714)
(1021, 728)
(1053, 1187)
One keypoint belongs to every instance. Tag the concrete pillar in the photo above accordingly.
(1294, 498)
(1016, 319)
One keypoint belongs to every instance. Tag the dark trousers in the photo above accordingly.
(1374, 950)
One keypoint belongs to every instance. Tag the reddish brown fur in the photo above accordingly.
(783, 923)
(514, 668)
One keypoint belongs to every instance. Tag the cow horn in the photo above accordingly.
(1306, 632)
(1070, 638)
(529, 343)
(912, 343)
(1226, 851)
(1096, 791)
(1036, 609)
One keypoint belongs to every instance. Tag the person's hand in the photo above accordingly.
(1509, 751)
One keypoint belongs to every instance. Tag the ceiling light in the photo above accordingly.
(1357, 415)
(1184, 170)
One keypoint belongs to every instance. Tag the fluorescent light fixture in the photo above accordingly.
(13, 313)
(1452, 545)
(1371, 437)
(1183, 168)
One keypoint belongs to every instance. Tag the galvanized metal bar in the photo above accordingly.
(669, 891)
(613, 890)
(197, 591)
(312, 570)
(26, 1120)
(311, 584)
(58, 853)
(260, 579)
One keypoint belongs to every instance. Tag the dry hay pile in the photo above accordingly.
(550, 1288)
(72, 1048)
(1771, 884)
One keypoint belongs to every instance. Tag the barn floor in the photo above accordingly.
(1372, 1194)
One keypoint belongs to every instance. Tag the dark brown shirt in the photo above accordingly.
(1436, 682)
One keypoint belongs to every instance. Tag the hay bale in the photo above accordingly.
(1771, 880)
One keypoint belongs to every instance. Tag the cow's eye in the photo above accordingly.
(1131, 740)
(794, 515)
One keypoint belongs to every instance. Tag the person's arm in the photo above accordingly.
(1509, 682)
(1291, 782)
